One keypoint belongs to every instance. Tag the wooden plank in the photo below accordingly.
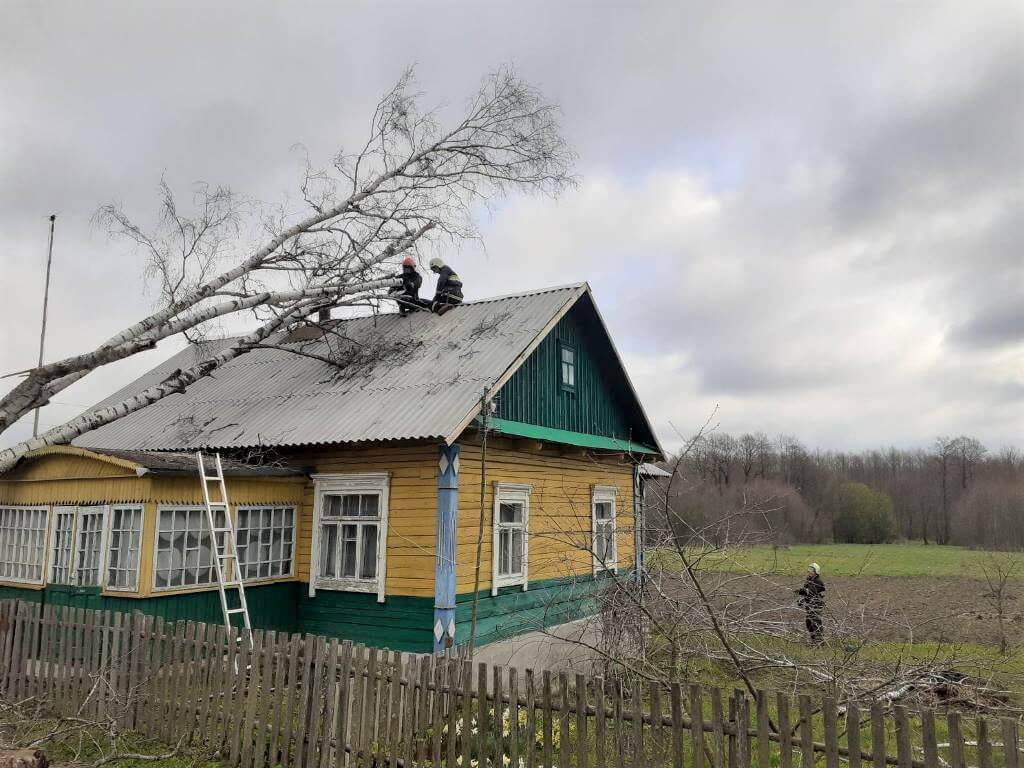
(412, 670)
(676, 697)
(104, 669)
(764, 745)
(654, 696)
(853, 735)
(149, 671)
(879, 748)
(359, 685)
(548, 725)
(904, 755)
(370, 711)
(600, 725)
(582, 738)
(423, 720)
(785, 731)
(467, 711)
(499, 714)
(957, 757)
(183, 683)
(984, 746)
(928, 740)
(806, 732)
(717, 728)
(828, 714)
(442, 688)
(531, 720)
(618, 724)
(301, 748)
(394, 740)
(733, 761)
(513, 717)
(341, 718)
(743, 728)
(238, 682)
(330, 698)
(697, 726)
(322, 664)
(292, 695)
(639, 752)
(1011, 741)
(262, 721)
(230, 684)
(211, 663)
(252, 696)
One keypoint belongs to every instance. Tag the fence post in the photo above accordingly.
(785, 735)
(828, 711)
(853, 735)
(806, 732)
(984, 746)
(903, 748)
(676, 695)
(1010, 740)
(931, 752)
(764, 745)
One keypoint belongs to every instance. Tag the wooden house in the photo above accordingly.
(363, 457)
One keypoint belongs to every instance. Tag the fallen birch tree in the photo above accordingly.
(414, 183)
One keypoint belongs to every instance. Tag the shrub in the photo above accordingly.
(862, 516)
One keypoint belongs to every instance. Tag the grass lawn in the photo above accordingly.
(854, 560)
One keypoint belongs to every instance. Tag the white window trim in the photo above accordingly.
(73, 564)
(44, 570)
(598, 494)
(109, 532)
(295, 524)
(367, 482)
(513, 492)
(156, 542)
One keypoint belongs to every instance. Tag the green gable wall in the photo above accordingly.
(602, 404)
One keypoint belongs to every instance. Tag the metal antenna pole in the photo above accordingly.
(46, 301)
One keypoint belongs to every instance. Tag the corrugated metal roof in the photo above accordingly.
(410, 377)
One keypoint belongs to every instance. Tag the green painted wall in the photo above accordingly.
(271, 606)
(400, 623)
(513, 612)
(602, 403)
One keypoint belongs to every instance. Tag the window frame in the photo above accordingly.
(342, 484)
(601, 494)
(111, 510)
(206, 585)
(260, 507)
(516, 493)
(43, 566)
(562, 386)
(75, 510)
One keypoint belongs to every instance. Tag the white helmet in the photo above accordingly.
(815, 567)
(436, 263)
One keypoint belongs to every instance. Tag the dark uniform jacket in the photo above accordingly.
(812, 594)
(411, 282)
(448, 283)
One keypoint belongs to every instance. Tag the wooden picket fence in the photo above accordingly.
(266, 699)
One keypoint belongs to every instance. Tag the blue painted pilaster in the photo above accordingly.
(447, 521)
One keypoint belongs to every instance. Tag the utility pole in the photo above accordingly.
(46, 301)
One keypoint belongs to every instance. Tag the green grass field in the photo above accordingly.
(889, 560)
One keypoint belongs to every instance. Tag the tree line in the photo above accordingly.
(954, 491)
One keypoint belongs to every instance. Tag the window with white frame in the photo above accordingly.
(78, 544)
(605, 549)
(511, 535)
(184, 548)
(125, 545)
(264, 539)
(350, 532)
(22, 543)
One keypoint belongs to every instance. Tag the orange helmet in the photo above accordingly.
(408, 261)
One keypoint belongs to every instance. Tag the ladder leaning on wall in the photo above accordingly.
(225, 556)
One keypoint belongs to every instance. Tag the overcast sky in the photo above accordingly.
(807, 214)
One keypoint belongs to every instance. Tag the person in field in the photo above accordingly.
(812, 600)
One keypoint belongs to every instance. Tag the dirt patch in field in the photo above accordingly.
(909, 609)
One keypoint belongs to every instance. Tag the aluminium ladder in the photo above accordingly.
(225, 559)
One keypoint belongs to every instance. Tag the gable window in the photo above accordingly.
(605, 549)
(22, 542)
(264, 539)
(123, 552)
(78, 544)
(510, 545)
(566, 367)
(184, 548)
(350, 532)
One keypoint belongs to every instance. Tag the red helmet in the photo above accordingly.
(408, 261)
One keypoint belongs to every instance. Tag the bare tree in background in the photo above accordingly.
(414, 181)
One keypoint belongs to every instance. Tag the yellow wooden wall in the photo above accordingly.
(59, 480)
(560, 523)
(412, 507)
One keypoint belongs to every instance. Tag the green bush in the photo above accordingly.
(862, 516)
